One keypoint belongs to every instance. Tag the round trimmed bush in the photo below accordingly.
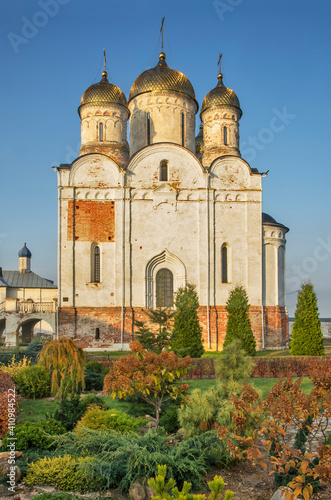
(33, 382)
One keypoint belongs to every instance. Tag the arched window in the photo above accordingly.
(95, 264)
(183, 128)
(148, 129)
(224, 257)
(101, 132)
(164, 288)
(225, 131)
(163, 170)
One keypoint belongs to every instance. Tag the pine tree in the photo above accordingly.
(239, 325)
(307, 339)
(186, 334)
(155, 341)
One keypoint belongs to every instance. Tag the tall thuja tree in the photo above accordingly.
(307, 336)
(239, 325)
(186, 337)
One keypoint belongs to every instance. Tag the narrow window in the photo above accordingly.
(225, 129)
(224, 264)
(163, 170)
(148, 128)
(164, 288)
(96, 265)
(101, 132)
(183, 129)
(97, 333)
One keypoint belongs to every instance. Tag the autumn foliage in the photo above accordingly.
(293, 432)
(152, 377)
(7, 387)
(65, 361)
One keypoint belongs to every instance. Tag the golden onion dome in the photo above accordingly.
(103, 92)
(162, 79)
(220, 96)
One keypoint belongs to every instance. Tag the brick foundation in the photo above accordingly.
(81, 323)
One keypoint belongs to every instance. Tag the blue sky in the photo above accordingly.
(276, 58)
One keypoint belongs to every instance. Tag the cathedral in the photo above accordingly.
(140, 218)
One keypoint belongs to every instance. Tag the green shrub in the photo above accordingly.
(96, 366)
(35, 434)
(169, 419)
(108, 420)
(64, 472)
(33, 382)
(71, 410)
(189, 460)
(307, 336)
(93, 381)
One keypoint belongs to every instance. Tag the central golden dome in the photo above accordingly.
(162, 79)
(103, 93)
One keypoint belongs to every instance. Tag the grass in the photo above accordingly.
(36, 409)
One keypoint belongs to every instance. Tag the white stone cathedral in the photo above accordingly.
(138, 221)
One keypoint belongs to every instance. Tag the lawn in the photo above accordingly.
(36, 409)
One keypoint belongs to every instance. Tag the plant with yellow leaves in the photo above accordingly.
(14, 367)
(65, 362)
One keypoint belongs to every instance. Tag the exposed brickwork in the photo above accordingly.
(276, 326)
(90, 220)
(108, 320)
(117, 152)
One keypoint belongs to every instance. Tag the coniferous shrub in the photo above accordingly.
(189, 460)
(239, 325)
(307, 339)
(108, 420)
(186, 337)
(65, 473)
(36, 345)
(66, 362)
(36, 434)
(33, 382)
(203, 410)
(156, 339)
(71, 410)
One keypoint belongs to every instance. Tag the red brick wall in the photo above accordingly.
(80, 324)
(94, 220)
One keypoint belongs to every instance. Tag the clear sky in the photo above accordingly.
(276, 58)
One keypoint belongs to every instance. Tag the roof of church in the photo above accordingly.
(103, 92)
(162, 78)
(24, 280)
(25, 252)
(267, 219)
(220, 96)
